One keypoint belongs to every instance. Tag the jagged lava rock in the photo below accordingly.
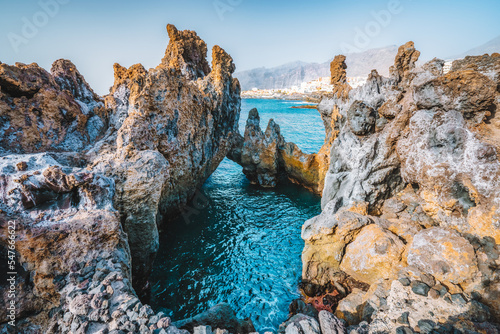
(338, 76)
(110, 170)
(41, 111)
(173, 126)
(414, 163)
(260, 151)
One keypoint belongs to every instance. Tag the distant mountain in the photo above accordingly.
(488, 47)
(291, 74)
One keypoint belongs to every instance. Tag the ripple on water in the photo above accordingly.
(244, 247)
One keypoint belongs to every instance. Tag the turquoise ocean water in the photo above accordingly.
(239, 243)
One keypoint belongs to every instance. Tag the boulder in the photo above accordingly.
(326, 237)
(375, 253)
(350, 309)
(300, 324)
(444, 254)
(330, 324)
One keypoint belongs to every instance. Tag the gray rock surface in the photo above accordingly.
(330, 324)
(411, 198)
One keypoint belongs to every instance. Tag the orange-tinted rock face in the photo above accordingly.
(404, 62)
(374, 254)
(174, 125)
(41, 111)
(186, 52)
(338, 76)
(444, 254)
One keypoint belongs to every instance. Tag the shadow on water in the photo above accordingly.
(239, 244)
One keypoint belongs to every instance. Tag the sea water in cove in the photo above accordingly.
(243, 246)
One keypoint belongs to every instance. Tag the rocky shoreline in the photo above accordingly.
(409, 175)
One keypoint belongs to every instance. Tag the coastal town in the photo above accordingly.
(309, 89)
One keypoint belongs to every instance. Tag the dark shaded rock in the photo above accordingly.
(420, 288)
(405, 281)
(220, 316)
(403, 318)
(361, 118)
(458, 298)
(404, 330)
(310, 289)
(442, 289)
(299, 306)
(426, 326)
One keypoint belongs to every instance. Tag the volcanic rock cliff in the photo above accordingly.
(408, 239)
(86, 180)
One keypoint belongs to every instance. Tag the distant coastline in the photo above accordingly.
(306, 97)
(311, 91)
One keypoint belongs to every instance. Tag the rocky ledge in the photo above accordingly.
(86, 181)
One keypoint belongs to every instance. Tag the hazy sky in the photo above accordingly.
(96, 34)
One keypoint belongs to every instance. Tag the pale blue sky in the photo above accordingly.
(96, 34)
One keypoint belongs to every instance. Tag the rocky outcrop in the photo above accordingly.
(410, 203)
(404, 62)
(41, 111)
(172, 126)
(260, 151)
(338, 77)
(72, 256)
(89, 179)
(267, 158)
